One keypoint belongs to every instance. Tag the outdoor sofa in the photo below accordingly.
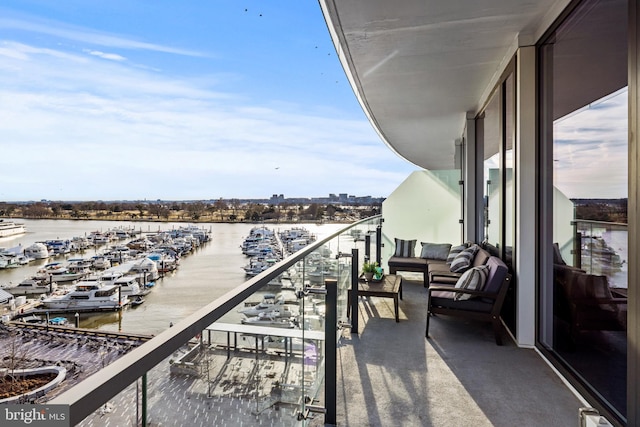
(438, 262)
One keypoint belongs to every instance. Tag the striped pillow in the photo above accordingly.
(473, 279)
(405, 248)
(455, 250)
(463, 261)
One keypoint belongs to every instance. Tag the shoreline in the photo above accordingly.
(181, 220)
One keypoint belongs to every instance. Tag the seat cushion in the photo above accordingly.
(443, 294)
(474, 304)
(404, 262)
(405, 248)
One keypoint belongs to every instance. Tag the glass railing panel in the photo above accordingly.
(230, 363)
(269, 363)
(603, 250)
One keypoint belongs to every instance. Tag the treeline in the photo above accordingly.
(218, 211)
(606, 210)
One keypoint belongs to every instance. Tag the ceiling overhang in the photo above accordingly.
(419, 66)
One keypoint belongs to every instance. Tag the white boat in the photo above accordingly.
(56, 272)
(31, 286)
(88, 296)
(23, 259)
(129, 285)
(280, 312)
(145, 269)
(100, 239)
(8, 261)
(258, 265)
(264, 319)
(37, 251)
(100, 262)
(9, 228)
(268, 303)
(118, 254)
(109, 277)
(79, 263)
(81, 243)
(59, 246)
(164, 262)
(260, 249)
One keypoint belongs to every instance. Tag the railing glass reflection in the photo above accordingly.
(255, 356)
(601, 248)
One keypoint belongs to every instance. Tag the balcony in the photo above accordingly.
(390, 375)
(214, 369)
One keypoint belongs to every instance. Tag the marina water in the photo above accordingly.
(203, 276)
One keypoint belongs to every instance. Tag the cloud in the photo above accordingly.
(591, 150)
(87, 36)
(111, 56)
(108, 130)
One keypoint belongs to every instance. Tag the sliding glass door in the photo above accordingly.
(584, 166)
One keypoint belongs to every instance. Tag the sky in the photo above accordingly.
(591, 149)
(200, 99)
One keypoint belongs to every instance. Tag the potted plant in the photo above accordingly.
(369, 269)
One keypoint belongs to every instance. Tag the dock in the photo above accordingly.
(82, 352)
(82, 332)
(260, 333)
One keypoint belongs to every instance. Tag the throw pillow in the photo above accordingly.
(435, 250)
(455, 250)
(463, 261)
(473, 279)
(405, 248)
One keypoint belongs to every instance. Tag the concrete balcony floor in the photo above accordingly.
(390, 375)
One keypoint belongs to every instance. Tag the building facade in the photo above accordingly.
(531, 106)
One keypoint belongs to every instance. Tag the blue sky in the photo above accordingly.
(180, 100)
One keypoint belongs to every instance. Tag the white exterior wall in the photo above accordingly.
(563, 215)
(432, 217)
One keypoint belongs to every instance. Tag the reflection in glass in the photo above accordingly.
(585, 113)
(492, 182)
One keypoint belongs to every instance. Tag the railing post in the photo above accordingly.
(367, 246)
(330, 352)
(379, 245)
(144, 400)
(577, 245)
(577, 251)
(354, 291)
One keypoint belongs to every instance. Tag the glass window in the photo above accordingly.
(509, 176)
(492, 140)
(584, 135)
(496, 134)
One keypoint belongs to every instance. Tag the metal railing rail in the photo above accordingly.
(89, 395)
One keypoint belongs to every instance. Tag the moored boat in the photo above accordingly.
(56, 272)
(268, 303)
(32, 286)
(129, 285)
(264, 319)
(88, 296)
(145, 269)
(37, 251)
(10, 228)
(100, 262)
